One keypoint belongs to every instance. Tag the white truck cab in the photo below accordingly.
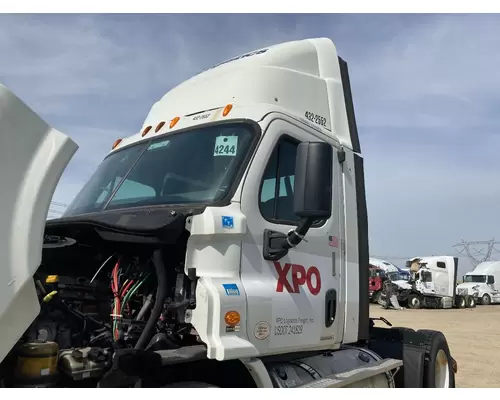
(433, 283)
(225, 244)
(482, 283)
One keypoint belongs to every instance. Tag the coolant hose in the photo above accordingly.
(161, 295)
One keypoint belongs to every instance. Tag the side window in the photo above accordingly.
(276, 191)
(441, 264)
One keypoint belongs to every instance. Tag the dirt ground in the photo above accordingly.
(473, 336)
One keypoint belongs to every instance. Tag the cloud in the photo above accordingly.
(425, 91)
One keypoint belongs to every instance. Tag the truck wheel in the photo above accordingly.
(461, 303)
(414, 301)
(189, 384)
(470, 302)
(376, 297)
(438, 364)
(486, 299)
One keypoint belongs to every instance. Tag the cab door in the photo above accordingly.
(295, 301)
(33, 157)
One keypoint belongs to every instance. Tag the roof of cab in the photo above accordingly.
(301, 77)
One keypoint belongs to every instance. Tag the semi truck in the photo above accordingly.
(375, 281)
(433, 284)
(397, 275)
(482, 283)
(225, 244)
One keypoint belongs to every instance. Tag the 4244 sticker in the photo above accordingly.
(226, 146)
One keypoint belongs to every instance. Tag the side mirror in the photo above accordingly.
(491, 280)
(313, 180)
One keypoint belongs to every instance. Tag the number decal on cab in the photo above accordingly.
(317, 119)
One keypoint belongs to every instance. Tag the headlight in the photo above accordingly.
(475, 287)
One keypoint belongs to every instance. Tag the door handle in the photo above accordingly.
(330, 307)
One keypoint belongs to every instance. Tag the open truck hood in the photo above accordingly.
(33, 157)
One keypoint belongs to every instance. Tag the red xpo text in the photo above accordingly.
(299, 277)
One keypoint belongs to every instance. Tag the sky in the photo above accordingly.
(426, 96)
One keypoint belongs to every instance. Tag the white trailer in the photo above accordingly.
(223, 245)
(483, 283)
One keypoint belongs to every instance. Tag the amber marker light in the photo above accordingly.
(174, 122)
(116, 143)
(159, 126)
(232, 318)
(146, 130)
(227, 110)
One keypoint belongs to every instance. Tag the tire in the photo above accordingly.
(471, 302)
(486, 299)
(438, 364)
(461, 303)
(376, 296)
(189, 384)
(414, 301)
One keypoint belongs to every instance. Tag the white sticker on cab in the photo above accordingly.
(158, 145)
(226, 146)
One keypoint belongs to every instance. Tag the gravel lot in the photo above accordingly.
(473, 336)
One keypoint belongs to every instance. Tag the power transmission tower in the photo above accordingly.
(476, 257)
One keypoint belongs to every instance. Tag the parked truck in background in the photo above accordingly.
(375, 283)
(433, 284)
(397, 275)
(223, 245)
(483, 283)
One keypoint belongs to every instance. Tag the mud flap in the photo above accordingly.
(403, 344)
(413, 362)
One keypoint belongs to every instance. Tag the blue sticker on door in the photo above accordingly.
(227, 222)
(231, 289)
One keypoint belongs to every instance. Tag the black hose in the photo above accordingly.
(161, 295)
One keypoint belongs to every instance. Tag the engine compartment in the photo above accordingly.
(99, 299)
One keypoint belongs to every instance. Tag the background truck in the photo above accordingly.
(397, 275)
(482, 283)
(433, 284)
(223, 245)
(375, 280)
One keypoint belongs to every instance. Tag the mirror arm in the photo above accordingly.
(295, 236)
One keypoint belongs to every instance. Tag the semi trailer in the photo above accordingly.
(225, 244)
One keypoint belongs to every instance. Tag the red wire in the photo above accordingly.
(114, 289)
(126, 289)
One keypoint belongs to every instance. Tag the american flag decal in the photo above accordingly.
(333, 241)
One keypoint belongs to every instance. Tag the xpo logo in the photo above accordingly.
(299, 276)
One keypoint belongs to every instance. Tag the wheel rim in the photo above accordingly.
(442, 370)
(415, 302)
(486, 299)
(462, 302)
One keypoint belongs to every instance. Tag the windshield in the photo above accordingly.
(426, 276)
(192, 167)
(398, 276)
(475, 278)
(374, 272)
